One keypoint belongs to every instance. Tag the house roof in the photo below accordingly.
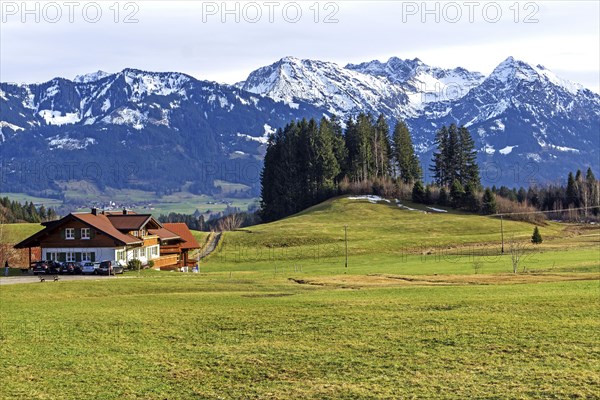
(182, 230)
(105, 224)
(132, 222)
(165, 234)
(99, 222)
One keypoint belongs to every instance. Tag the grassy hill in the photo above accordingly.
(386, 238)
(14, 233)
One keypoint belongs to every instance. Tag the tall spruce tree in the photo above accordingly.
(455, 158)
(327, 167)
(571, 199)
(364, 127)
(468, 170)
(352, 141)
(439, 167)
(339, 147)
(381, 147)
(407, 163)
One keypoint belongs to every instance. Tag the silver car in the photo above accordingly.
(89, 268)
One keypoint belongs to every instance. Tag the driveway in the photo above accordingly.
(13, 280)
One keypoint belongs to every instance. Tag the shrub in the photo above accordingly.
(134, 265)
(418, 192)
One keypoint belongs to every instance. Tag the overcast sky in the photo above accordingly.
(204, 39)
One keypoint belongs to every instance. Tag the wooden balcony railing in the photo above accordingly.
(165, 261)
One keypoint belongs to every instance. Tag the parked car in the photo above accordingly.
(46, 267)
(54, 267)
(70, 268)
(89, 268)
(40, 267)
(110, 268)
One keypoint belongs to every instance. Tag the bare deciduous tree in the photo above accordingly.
(516, 250)
(230, 223)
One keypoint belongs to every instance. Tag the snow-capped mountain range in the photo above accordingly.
(529, 124)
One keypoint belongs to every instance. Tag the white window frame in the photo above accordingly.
(87, 234)
(154, 250)
(86, 256)
(136, 253)
(51, 256)
(69, 233)
(70, 256)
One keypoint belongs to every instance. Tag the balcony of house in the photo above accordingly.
(166, 262)
(150, 240)
(170, 249)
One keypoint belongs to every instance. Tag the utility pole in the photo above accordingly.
(502, 233)
(346, 240)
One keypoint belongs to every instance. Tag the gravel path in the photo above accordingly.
(13, 280)
(211, 246)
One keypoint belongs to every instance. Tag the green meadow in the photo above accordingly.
(427, 307)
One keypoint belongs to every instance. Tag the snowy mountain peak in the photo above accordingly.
(339, 90)
(91, 77)
(144, 83)
(407, 71)
(512, 71)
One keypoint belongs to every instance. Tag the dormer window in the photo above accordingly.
(70, 233)
(85, 233)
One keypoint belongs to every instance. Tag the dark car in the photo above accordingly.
(54, 267)
(40, 267)
(46, 267)
(70, 268)
(110, 268)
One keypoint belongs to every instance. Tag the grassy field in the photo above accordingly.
(274, 314)
(37, 201)
(182, 202)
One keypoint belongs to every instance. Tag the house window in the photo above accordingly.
(121, 255)
(51, 256)
(136, 233)
(155, 250)
(85, 233)
(86, 256)
(70, 233)
(136, 253)
(70, 256)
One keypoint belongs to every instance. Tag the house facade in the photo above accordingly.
(98, 236)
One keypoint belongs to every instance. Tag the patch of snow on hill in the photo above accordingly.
(4, 124)
(507, 150)
(439, 210)
(56, 117)
(127, 116)
(67, 143)
(370, 198)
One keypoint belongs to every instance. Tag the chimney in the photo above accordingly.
(124, 211)
(94, 211)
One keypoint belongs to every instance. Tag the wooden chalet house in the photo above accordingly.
(120, 236)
